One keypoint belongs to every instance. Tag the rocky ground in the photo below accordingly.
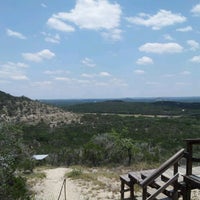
(32, 112)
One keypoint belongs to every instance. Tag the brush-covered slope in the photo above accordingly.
(22, 109)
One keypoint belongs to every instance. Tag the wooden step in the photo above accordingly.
(157, 185)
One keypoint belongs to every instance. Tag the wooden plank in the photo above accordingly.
(166, 165)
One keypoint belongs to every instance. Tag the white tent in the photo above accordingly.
(40, 157)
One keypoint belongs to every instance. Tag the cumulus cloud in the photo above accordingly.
(195, 59)
(144, 60)
(196, 10)
(90, 14)
(14, 71)
(193, 45)
(59, 25)
(88, 62)
(38, 56)
(15, 34)
(161, 19)
(161, 48)
(185, 29)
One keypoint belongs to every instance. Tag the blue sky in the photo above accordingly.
(53, 49)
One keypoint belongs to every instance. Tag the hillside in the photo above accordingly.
(22, 109)
(144, 108)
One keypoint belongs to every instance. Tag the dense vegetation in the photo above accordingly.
(112, 139)
(107, 133)
(14, 157)
(143, 108)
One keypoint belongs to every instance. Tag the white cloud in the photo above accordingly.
(62, 79)
(43, 5)
(162, 19)
(59, 25)
(15, 34)
(114, 34)
(168, 37)
(41, 83)
(195, 59)
(160, 48)
(14, 71)
(38, 56)
(196, 10)
(185, 29)
(52, 38)
(56, 72)
(144, 61)
(138, 71)
(104, 74)
(193, 45)
(88, 75)
(90, 14)
(19, 77)
(93, 14)
(185, 73)
(88, 62)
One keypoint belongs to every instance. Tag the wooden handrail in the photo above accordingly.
(193, 141)
(166, 165)
(161, 189)
(190, 158)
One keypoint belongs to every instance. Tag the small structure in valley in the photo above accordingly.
(40, 157)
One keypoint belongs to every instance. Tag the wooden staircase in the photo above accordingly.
(169, 181)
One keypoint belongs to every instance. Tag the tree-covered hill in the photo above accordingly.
(143, 108)
(22, 109)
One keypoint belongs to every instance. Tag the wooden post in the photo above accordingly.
(122, 190)
(189, 158)
(63, 186)
(65, 189)
(144, 193)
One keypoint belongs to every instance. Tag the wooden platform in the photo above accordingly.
(140, 175)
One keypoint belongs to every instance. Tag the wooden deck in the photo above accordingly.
(168, 173)
(169, 181)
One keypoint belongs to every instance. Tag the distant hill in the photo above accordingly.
(167, 108)
(22, 109)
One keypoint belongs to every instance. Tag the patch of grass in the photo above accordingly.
(33, 178)
(78, 173)
(75, 174)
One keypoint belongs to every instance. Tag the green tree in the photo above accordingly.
(12, 152)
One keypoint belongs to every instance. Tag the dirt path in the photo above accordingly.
(49, 188)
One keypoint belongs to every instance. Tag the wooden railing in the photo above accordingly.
(150, 180)
(191, 180)
(172, 162)
(190, 158)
